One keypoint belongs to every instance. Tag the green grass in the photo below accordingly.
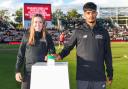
(7, 46)
(120, 63)
(7, 72)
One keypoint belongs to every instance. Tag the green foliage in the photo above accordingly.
(19, 15)
(58, 14)
(73, 14)
(4, 14)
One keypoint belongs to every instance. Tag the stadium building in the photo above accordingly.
(118, 14)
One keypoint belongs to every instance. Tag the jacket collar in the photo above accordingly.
(96, 27)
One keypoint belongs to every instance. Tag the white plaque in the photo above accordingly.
(44, 76)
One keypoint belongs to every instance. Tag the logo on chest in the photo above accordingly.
(98, 36)
(85, 36)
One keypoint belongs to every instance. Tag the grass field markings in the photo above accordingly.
(125, 56)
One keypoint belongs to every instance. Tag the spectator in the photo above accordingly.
(61, 40)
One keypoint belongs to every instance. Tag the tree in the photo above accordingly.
(56, 17)
(73, 14)
(18, 15)
(67, 20)
(4, 15)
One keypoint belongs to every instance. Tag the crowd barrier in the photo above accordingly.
(13, 43)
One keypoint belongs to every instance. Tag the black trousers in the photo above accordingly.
(26, 82)
(91, 84)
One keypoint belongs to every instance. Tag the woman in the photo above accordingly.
(34, 47)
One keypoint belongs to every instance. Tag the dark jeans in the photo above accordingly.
(91, 84)
(26, 82)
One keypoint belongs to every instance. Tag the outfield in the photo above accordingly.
(120, 64)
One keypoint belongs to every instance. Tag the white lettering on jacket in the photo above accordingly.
(98, 36)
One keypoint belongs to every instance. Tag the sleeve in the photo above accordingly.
(108, 57)
(69, 45)
(21, 54)
(50, 45)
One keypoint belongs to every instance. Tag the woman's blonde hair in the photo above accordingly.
(31, 38)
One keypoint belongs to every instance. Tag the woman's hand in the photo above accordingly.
(18, 77)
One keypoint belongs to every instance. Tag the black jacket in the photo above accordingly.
(28, 55)
(93, 50)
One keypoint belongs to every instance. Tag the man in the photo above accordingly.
(93, 52)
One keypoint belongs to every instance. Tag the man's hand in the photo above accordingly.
(58, 57)
(18, 77)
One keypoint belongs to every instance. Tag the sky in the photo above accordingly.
(64, 5)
